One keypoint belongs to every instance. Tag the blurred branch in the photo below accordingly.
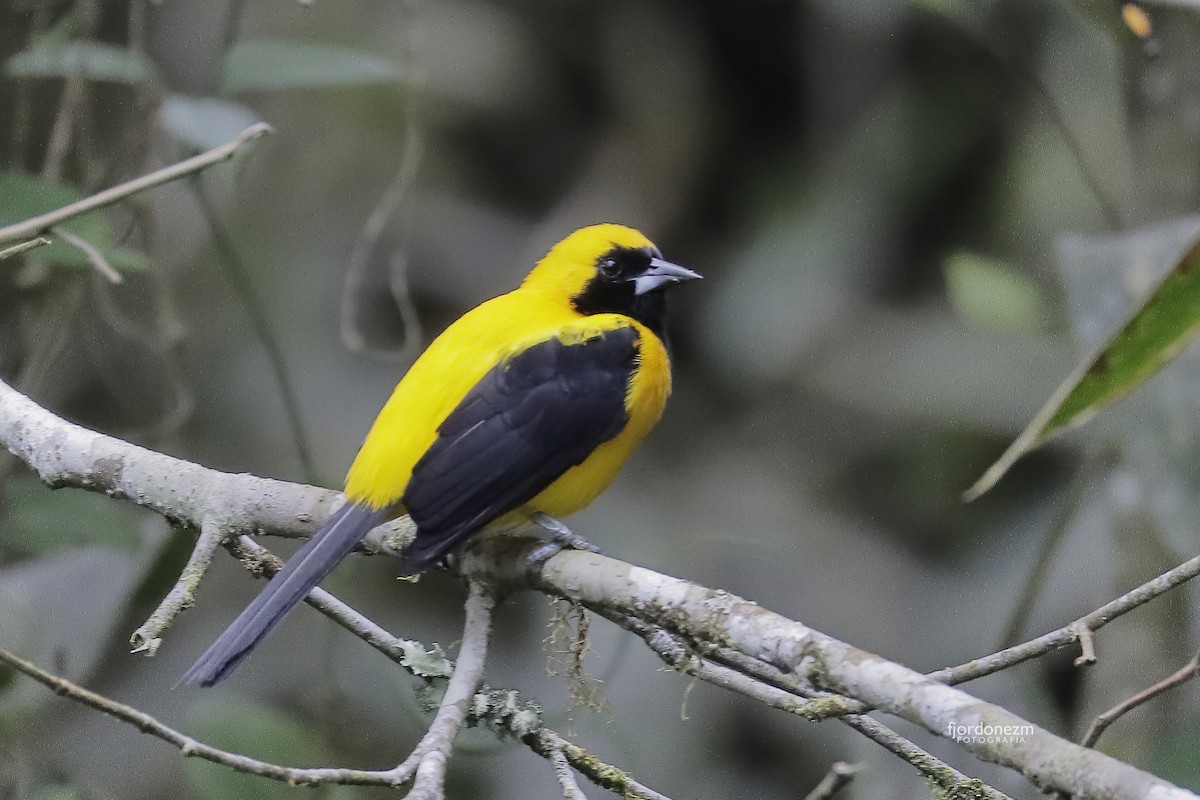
(68, 455)
(1096, 459)
(1102, 721)
(17, 249)
(234, 267)
(1020, 73)
(59, 143)
(40, 224)
(839, 776)
(91, 252)
(359, 265)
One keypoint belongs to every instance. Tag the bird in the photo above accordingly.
(525, 407)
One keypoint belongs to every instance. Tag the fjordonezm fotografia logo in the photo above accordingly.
(988, 734)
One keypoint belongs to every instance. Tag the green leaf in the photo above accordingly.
(1175, 757)
(95, 61)
(1161, 327)
(41, 520)
(24, 196)
(204, 122)
(265, 65)
(991, 295)
(243, 726)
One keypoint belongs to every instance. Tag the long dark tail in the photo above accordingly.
(306, 569)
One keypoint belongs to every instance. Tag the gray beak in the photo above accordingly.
(662, 274)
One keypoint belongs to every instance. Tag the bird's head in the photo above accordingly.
(608, 269)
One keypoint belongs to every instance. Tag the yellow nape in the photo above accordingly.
(571, 263)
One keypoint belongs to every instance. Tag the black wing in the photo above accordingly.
(528, 421)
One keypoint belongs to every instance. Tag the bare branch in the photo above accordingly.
(65, 454)
(1087, 647)
(1101, 722)
(408, 653)
(22, 247)
(91, 252)
(39, 224)
(707, 615)
(1072, 632)
(148, 638)
(188, 746)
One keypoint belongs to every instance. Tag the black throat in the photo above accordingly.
(604, 297)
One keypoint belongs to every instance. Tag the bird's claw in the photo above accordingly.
(538, 557)
(561, 535)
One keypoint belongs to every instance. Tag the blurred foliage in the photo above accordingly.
(242, 726)
(37, 520)
(913, 218)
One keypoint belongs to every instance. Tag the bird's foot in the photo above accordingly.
(562, 535)
(561, 538)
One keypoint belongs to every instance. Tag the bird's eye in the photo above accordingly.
(609, 268)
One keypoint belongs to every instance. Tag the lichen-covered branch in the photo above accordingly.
(68, 455)
(706, 615)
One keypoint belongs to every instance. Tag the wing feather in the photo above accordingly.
(527, 421)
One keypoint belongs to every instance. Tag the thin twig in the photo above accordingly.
(148, 638)
(43, 222)
(433, 751)
(1070, 633)
(1034, 648)
(507, 716)
(90, 251)
(188, 746)
(839, 776)
(1102, 721)
(359, 265)
(1097, 458)
(22, 247)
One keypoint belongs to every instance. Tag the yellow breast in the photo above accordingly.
(644, 403)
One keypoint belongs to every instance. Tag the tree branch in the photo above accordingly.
(67, 455)
(40, 224)
(717, 617)
(1102, 721)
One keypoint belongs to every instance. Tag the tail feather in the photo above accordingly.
(303, 571)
